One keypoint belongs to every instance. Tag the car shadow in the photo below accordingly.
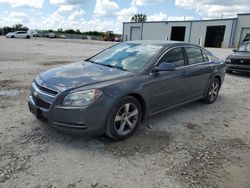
(149, 138)
(240, 74)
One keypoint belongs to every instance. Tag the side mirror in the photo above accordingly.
(235, 50)
(164, 66)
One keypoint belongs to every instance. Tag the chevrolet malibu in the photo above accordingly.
(113, 91)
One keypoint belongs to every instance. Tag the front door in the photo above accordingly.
(169, 88)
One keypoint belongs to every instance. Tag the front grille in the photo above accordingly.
(46, 90)
(41, 103)
(241, 61)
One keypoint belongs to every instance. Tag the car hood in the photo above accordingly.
(240, 55)
(81, 74)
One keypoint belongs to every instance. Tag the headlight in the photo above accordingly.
(228, 61)
(82, 98)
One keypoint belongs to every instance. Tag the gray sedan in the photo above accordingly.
(113, 91)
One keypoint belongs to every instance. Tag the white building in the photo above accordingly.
(228, 32)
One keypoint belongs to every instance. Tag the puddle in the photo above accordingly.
(9, 93)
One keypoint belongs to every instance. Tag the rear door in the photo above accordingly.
(198, 71)
(18, 34)
(23, 34)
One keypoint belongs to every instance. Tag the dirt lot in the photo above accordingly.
(196, 145)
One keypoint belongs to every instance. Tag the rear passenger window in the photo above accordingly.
(205, 58)
(174, 56)
(194, 55)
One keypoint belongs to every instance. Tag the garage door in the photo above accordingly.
(135, 33)
(214, 36)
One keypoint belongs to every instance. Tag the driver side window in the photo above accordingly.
(174, 56)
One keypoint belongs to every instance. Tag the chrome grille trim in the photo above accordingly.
(40, 89)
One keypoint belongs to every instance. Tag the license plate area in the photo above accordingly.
(35, 111)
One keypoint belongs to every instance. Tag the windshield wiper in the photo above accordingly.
(112, 66)
(115, 66)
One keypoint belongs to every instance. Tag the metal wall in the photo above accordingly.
(235, 30)
(242, 27)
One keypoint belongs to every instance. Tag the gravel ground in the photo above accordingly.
(196, 145)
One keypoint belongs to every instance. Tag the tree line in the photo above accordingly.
(20, 27)
(16, 27)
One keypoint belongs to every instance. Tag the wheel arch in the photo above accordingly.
(219, 78)
(142, 102)
(210, 80)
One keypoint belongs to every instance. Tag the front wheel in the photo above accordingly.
(124, 118)
(28, 37)
(213, 91)
(12, 36)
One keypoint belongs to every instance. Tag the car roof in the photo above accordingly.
(165, 43)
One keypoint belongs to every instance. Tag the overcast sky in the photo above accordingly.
(104, 15)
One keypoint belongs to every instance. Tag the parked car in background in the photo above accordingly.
(117, 39)
(240, 59)
(36, 35)
(113, 91)
(50, 35)
(18, 34)
(61, 36)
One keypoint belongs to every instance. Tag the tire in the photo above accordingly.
(28, 37)
(12, 37)
(213, 91)
(124, 119)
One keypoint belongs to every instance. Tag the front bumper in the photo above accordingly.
(236, 67)
(77, 121)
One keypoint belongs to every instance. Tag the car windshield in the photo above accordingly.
(245, 47)
(127, 56)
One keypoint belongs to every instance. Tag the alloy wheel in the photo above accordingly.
(213, 91)
(126, 119)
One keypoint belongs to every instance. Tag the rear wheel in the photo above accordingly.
(28, 37)
(124, 118)
(213, 91)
